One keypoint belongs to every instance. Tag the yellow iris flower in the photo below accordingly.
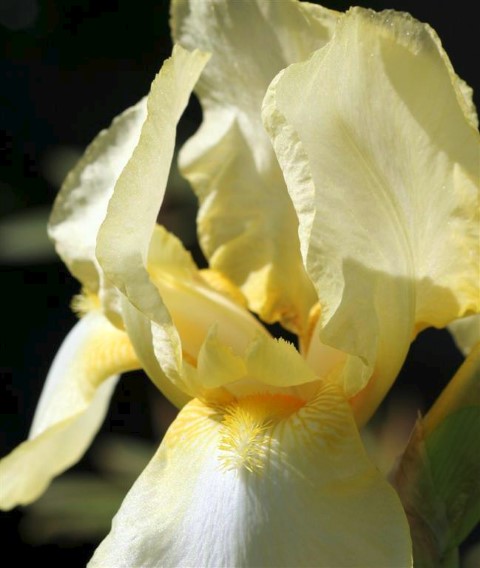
(338, 197)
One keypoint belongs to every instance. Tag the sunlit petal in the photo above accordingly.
(217, 363)
(81, 204)
(277, 362)
(193, 304)
(264, 482)
(124, 238)
(71, 409)
(267, 365)
(383, 177)
(140, 331)
(172, 307)
(463, 91)
(247, 225)
(466, 332)
(196, 309)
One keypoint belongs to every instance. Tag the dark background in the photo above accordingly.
(67, 68)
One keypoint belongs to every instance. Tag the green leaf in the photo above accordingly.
(453, 452)
(437, 476)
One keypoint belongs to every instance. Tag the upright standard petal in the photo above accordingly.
(264, 481)
(81, 204)
(71, 409)
(247, 225)
(383, 176)
(124, 238)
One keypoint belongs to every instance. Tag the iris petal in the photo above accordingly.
(81, 204)
(247, 225)
(124, 238)
(71, 409)
(264, 481)
(466, 332)
(384, 179)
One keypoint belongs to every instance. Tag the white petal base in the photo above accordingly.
(313, 500)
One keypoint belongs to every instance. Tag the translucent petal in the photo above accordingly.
(81, 204)
(168, 308)
(310, 498)
(197, 311)
(463, 91)
(466, 332)
(71, 409)
(268, 365)
(124, 238)
(247, 225)
(277, 362)
(140, 331)
(193, 304)
(383, 176)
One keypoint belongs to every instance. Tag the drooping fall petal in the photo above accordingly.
(81, 204)
(381, 162)
(263, 481)
(71, 409)
(247, 225)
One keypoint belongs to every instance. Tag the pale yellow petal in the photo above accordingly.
(167, 253)
(247, 225)
(210, 325)
(222, 284)
(124, 238)
(263, 482)
(140, 331)
(71, 409)
(463, 91)
(267, 365)
(172, 307)
(193, 305)
(277, 362)
(81, 204)
(466, 332)
(218, 365)
(381, 163)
